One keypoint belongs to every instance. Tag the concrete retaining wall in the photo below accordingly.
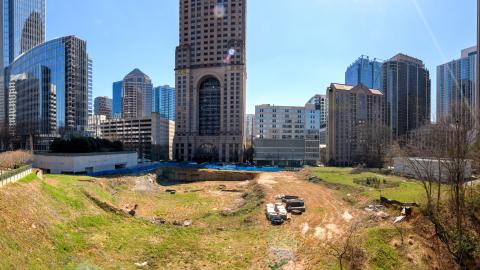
(15, 178)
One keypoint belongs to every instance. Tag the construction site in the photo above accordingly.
(212, 219)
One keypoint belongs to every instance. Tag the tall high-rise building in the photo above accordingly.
(321, 106)
(365, 71)
(210, 72)
(137, 95)
(164, 101)
(355, 117)
(22, 27)
(103, 106)
(317, 118)
(456, 83)
(249, 126)
(48, 98)
(406, 85)
(90, 86)
(117, 99)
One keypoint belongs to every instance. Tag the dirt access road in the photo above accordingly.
(327, 217)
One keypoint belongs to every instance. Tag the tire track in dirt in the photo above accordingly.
(327, 215)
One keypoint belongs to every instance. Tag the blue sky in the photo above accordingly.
(296, 48)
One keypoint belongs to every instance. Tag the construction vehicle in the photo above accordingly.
(285, 198)
(272, 215)
(295, 205)
(280, 208)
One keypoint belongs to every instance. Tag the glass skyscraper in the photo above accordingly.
(117, 99)
(164, 101)
(22, 28)
(48, 91)
(406, 86)
(456, 83)
(365, 71)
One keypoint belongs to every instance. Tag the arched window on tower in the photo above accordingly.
(209, 107)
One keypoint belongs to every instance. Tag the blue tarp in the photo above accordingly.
(151, 167)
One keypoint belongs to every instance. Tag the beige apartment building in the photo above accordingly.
(288, 136)
(355, 124)
(210, 72)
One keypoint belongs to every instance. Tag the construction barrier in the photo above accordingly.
(154, 166)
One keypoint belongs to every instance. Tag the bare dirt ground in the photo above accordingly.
(327, 216)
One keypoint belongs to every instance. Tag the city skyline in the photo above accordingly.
(436, 42)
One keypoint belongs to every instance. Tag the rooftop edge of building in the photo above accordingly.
(84, 154)
(468, 51)
(346, 87)
(401, 57)
(46, 43)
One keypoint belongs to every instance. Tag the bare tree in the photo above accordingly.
(439, 154)
(460, 136)
(10, 160)
(342, 249)
(423, 153)
(373, 141)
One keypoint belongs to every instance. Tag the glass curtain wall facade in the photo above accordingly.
(117, 99)
(406, 85)
(365, 71)
(22, 28)
(164, 101)
(456, 83)
(48, 92)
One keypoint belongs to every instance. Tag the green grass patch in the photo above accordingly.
(27, 179)
(380, 253)
(401, 189)
(60, 195)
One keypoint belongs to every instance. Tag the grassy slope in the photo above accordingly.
(407, 191)
(64, 230)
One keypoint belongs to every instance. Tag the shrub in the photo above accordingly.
(15, 159)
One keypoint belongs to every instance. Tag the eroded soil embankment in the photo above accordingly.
(193, 175)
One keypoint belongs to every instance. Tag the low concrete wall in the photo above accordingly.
(15, 178)
(192, 175)
(416, 167)
(84, 163)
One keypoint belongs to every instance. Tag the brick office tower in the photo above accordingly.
(210, 72)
